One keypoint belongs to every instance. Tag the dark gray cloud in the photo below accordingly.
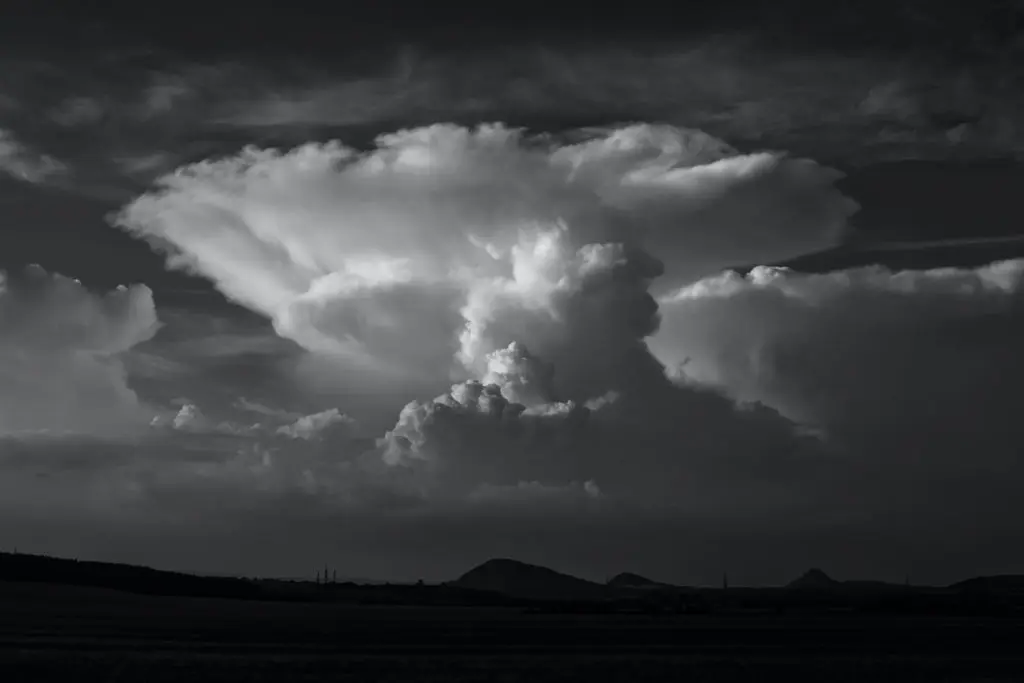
(60, 348)
(445, 356)
(137, 114)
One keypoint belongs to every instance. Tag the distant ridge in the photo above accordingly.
(500, 581)
(123, 577)
(630, 580)
(814, 579)
(1006, 584)
(532, 582)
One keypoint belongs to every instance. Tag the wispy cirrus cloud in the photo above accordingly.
(131, 125)
(22, 163)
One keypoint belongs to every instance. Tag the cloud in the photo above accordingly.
(401, 260)
(191, 419)
(519, 266)
(245, 404)
(145, 165)
(20, 162)
(862, 106)
(522, 269)
(59, 356)
(847, 107)
(819, 346)
(538, 289)
(310, 427)
(188, 417)
(696, 473)
(684, 451)
(213, 354)
(910, 374)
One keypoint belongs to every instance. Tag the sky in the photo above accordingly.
(400, 290)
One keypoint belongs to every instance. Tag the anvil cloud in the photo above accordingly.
(431, 246)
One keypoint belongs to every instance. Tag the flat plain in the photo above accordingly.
(63, 633)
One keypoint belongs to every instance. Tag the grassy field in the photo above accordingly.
(79, 634)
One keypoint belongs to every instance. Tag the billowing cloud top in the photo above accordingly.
(526, 270)
(428, 247)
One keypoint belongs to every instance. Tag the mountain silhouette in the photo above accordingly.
(630, 580)
(122, 577)
(1007, 584)
(814, 579)
(532, 582)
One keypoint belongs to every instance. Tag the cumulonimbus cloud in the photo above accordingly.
(59, 347)
(536, 275)
(519, 267)
(432, 246)
(541, 290)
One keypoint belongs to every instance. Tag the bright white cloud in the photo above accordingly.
(449, 253)
(399, 260)
(59, 347)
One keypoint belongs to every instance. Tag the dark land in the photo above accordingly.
(66, 620)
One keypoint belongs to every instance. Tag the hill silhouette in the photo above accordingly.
(532, 582)
(630, 580)
(1006, 584)
(122, 577)
(814, 579)
(24, 569)
(510, 583)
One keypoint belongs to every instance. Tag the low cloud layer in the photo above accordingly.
(59, 356)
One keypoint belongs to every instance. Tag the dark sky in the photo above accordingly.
(745, 293)
(957, 29)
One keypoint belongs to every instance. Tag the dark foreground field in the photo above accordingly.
(59, 633)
